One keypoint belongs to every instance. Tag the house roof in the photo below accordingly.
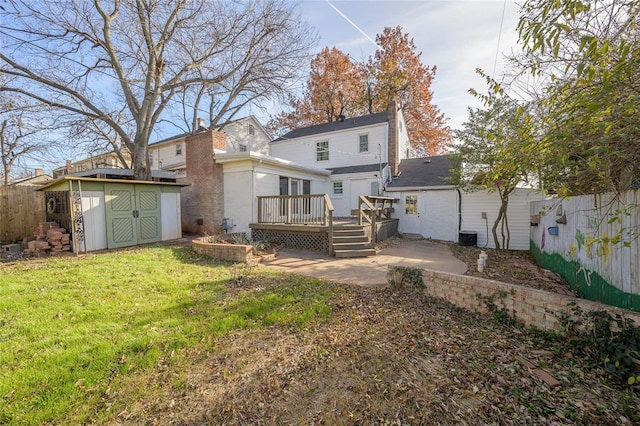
(363, 168)
(334, 126)
(225, 158)
(423, 172)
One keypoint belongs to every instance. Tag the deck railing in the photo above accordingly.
(310, 209)
(372, 209)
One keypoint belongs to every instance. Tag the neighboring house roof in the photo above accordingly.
(357, 169)
(423, 172)
(32, 180)
(335, 126)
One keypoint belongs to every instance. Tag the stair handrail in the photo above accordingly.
(369, 214)
(328, 215)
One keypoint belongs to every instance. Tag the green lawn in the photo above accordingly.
(75, 330)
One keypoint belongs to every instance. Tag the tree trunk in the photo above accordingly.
(140, 161)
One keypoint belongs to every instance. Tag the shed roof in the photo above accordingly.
(334, 126)
(93, 179)
(423, 172)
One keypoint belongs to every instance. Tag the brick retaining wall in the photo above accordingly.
(532, 306)
(221, 251)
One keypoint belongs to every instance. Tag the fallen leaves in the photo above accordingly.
(387, 357)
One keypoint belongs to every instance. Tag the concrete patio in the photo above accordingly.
(369, 271)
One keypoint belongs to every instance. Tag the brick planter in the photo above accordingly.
(223, 251)
(532, 306)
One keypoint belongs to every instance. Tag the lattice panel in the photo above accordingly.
(122, 230)
(148, 200)
(295, 240)
(149, 227)
(121, 201)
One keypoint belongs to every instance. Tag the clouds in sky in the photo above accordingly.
(455, 36)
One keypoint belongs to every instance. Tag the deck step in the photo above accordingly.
(351, 246)
(362, 239)
(348, 233)
(355, 253)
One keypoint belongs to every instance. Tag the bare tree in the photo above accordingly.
(96, 59)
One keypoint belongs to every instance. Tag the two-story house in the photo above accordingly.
(362, 153)
(242, 135)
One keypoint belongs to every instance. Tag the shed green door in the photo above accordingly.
(148, 206)
(133, 214)
(120, 208)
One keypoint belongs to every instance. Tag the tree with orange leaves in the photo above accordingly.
(335, 87)
(339, 86)
(398, 74)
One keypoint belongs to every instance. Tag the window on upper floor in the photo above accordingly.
(364, 143)
(251, 129)
(337, 188)
(150, 154)
(242, 148)
(179, 149)
(322, 151)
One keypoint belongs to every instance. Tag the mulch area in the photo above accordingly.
(512, 266)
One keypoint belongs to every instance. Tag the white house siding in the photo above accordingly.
(404, 144)
(474, 203)
(353, 185)
(238, 133)
(165, 153)
(245, 180)
(343, 147)
(438, 214)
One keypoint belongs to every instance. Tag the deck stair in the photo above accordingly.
(351, 241)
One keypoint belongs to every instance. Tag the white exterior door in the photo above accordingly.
(410, 220)
(93, 214)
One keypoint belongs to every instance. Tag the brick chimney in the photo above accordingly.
(69, 167)
(393, 138)
(202, 203)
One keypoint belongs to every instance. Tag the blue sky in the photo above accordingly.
(456, 36)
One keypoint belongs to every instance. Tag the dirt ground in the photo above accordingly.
(385, 357)
(512, 266)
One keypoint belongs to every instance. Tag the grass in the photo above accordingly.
(78, 334)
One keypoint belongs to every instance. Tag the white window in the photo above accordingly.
(364, 143)
(322, 151)
(252, 130)
(337, 188)
(150, 157)
(411, 204)
(242, 148)
(179, 149)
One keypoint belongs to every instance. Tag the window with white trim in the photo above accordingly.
(363, 143)
(322, 151)
(252, 130)
(337, 188)
(179, 149)
(242, 148)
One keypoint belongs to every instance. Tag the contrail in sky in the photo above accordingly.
(352, 23)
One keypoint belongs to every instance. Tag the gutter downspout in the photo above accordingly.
(459, 210)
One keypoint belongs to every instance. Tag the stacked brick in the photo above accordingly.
(49, 236)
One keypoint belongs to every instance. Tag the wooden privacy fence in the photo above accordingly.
(593, 242)
(22, 208)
